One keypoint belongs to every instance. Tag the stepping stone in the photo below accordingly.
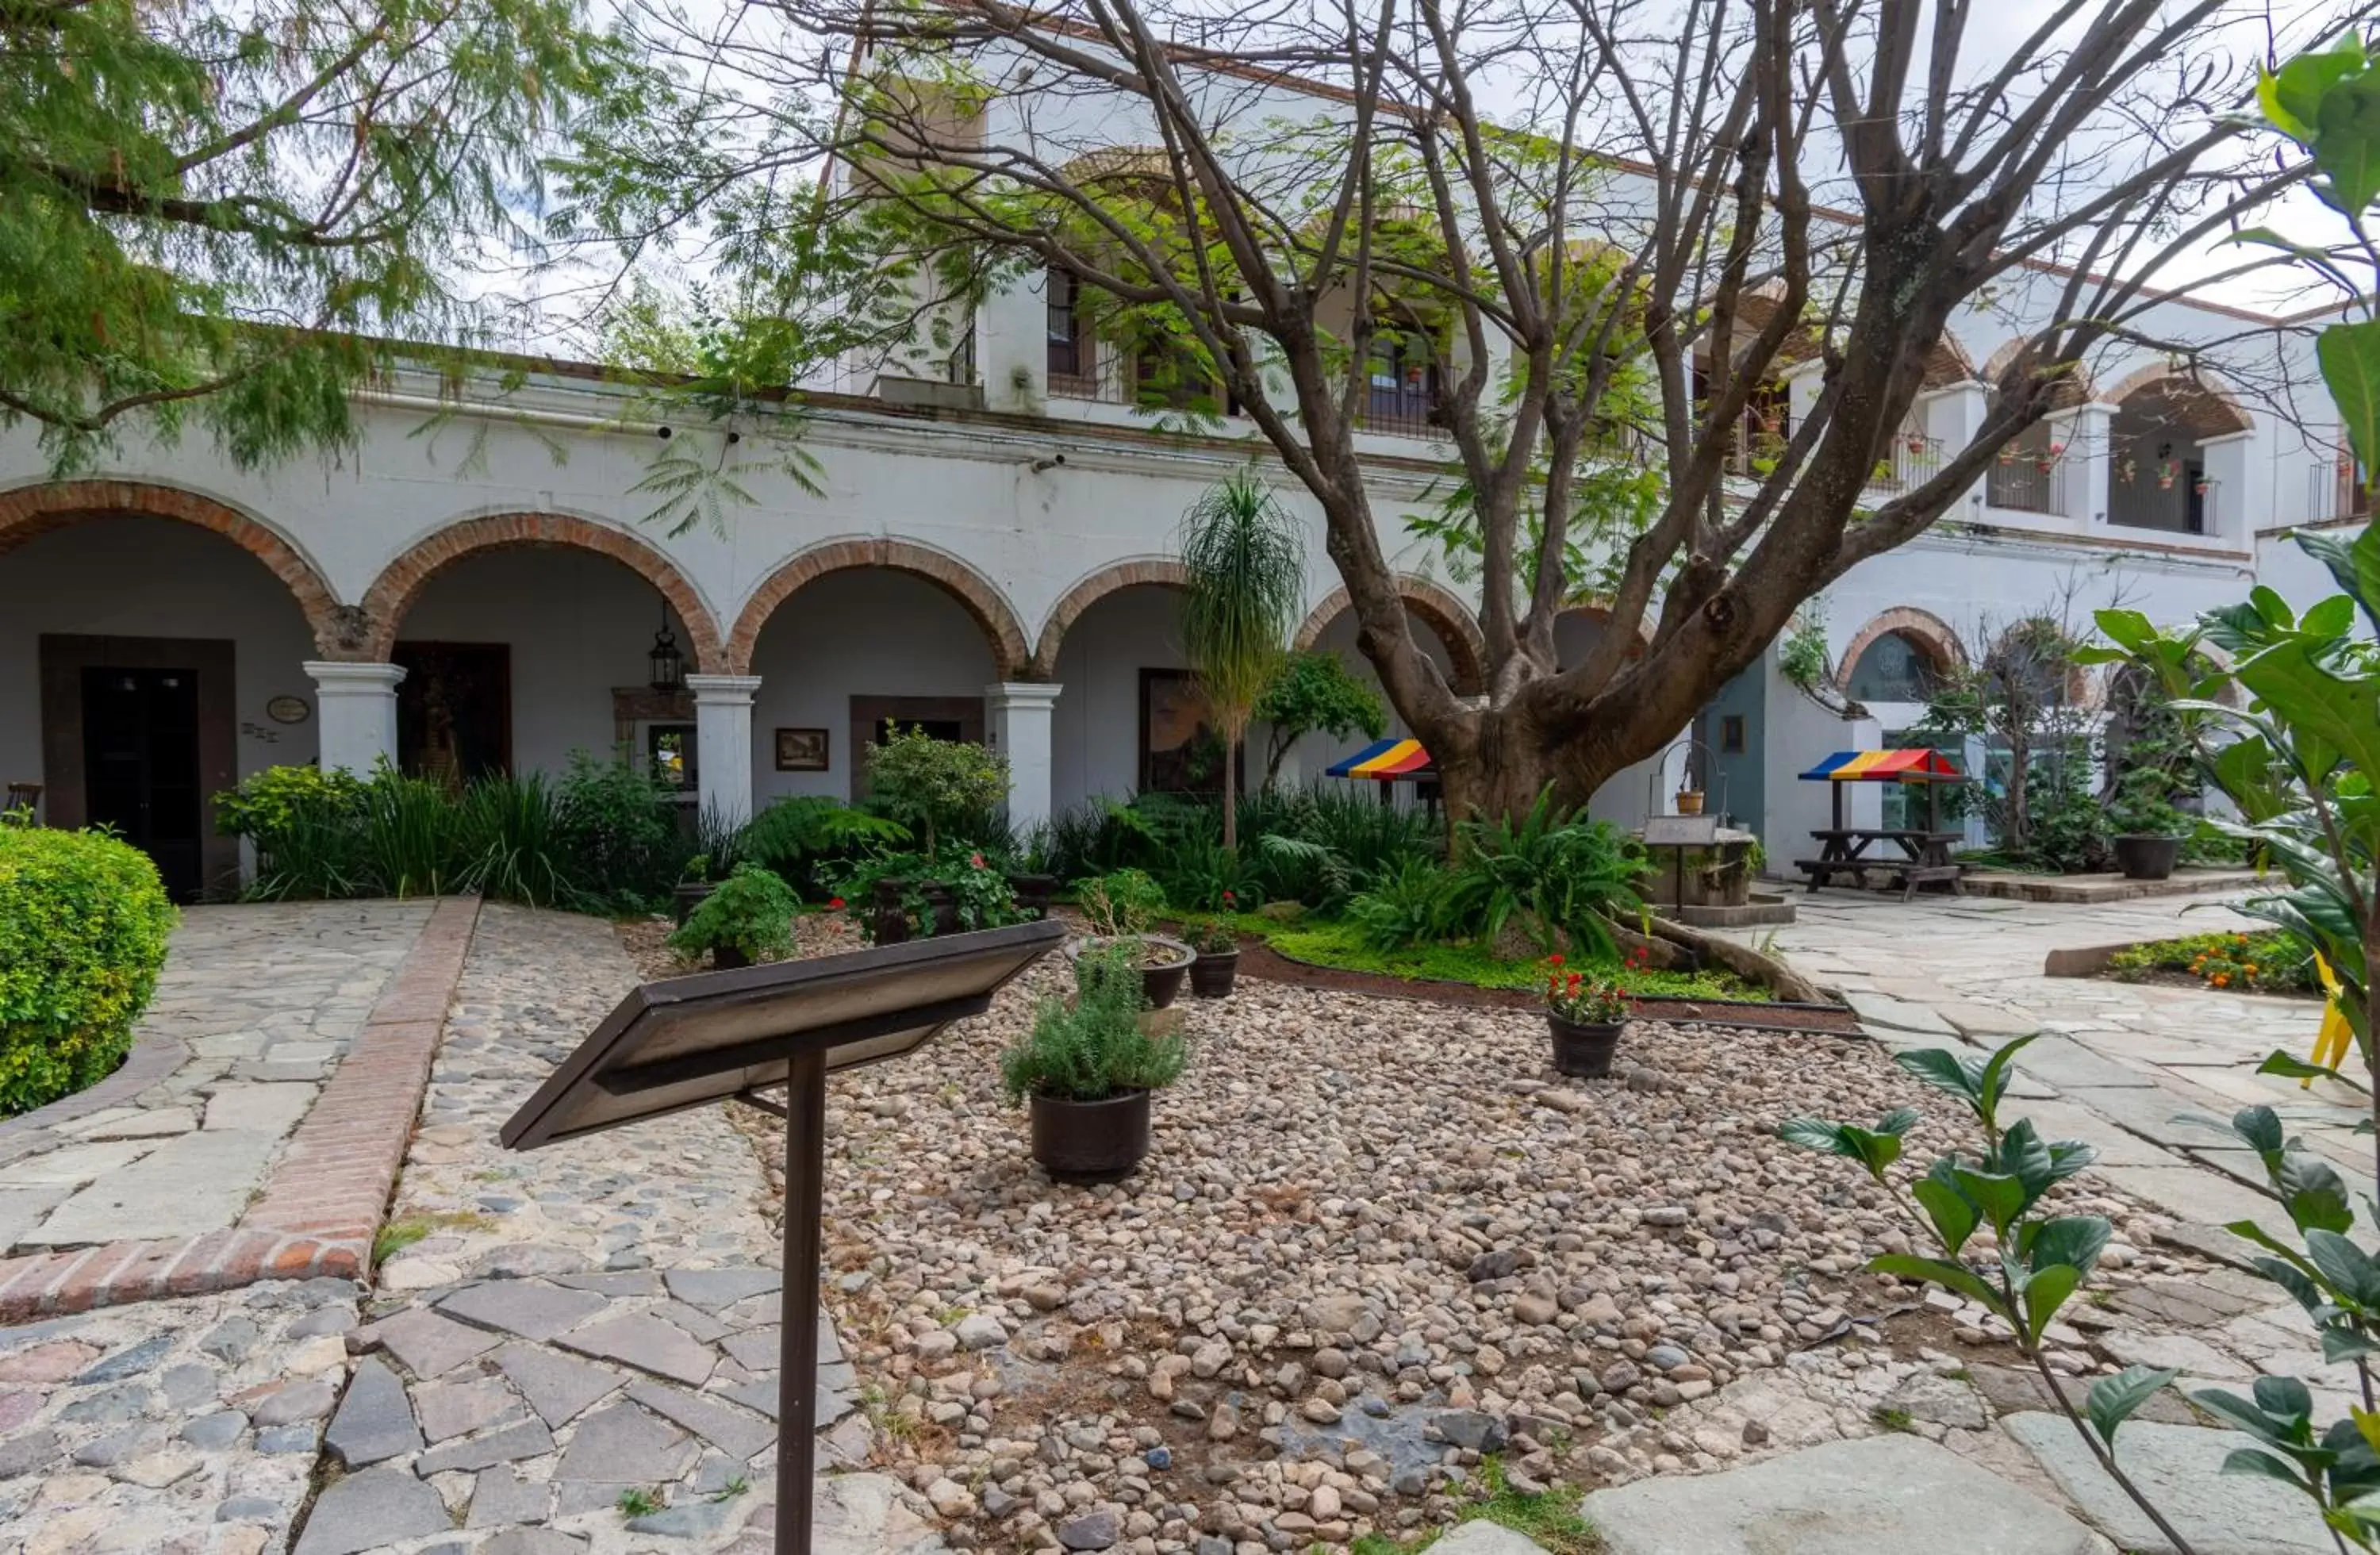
(527, 1439)
(558, 1388)
(151, 1123)
(1482, 1537)
(22, 1208)
(200, 1182)
(1879, 1009)
(367, 1511)
(623, 1445)
(75, 1165)
(647, 1343)
(735, 1432)
(374, 1421)
(270, 1109)
(460, 1408)
(527, 1307)
(1877, 1495)
(502, 1498)
(2068, 1065)
(711, 1289)
(2179, 1468)
(430, 1345)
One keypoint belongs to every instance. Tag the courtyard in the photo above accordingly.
(1384, 1270)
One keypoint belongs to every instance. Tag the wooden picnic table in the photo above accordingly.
(1924, 856)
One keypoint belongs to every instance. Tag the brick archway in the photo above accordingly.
(1446, 616)
(1162, 571)
(975, 594)
(1601, 614)
(1932, 635)
(30, 511)
(401, 582)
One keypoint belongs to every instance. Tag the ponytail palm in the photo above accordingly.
(1246, 561)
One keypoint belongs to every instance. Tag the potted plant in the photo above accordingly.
(1218, 965)
(1086, 1070)
(694, 883)
(1030, 881)
(748, 916)
(1585, 1015)
(1119, 908)
(2149, 831)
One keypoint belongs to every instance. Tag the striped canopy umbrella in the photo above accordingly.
(1919, 765)
(1386, 761)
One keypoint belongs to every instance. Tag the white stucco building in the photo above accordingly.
(989, 555)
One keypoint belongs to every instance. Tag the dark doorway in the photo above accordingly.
(147, 758)
(140, 767)
(455, 710)
(942, 718)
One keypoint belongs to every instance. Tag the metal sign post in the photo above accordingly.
(689, 1041)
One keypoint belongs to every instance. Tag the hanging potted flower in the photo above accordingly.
(1914, 441)
(748, 916)
(2166, 472)
(1086, 1070)
(2049, 460)
(1585, 1015)
(1218, 965)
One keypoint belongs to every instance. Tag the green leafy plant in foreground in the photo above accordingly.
(752, 912)
(1999, 1245)
(1093, 1047)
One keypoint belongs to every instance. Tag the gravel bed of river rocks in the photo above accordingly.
(1377, 1240)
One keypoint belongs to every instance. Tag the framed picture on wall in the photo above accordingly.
(801, 750)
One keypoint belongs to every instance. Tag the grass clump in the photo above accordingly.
(638, 1502)
(405, 1231)
(1549, 1517)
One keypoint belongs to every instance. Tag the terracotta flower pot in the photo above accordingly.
(1090, 1141)
(1212, 975)
(1584, 1048)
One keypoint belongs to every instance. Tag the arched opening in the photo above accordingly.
(1130, 719)
(2157, 476)
(518, 655)
(1896, 666)
(850, 647)
(148, 663)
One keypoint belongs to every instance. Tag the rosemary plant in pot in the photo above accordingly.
(1586, 1017)
(1086, 1070)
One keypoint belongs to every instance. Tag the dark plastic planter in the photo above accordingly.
(2147, 858)
(1090, 1141)
(1213, 973)
(1584, 1049)
(1034, 893)
(892, 919)
(726, 958)
(687, 896)
(1160, 985)
(944, 906)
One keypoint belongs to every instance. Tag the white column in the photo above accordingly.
(2228, 500)
(356, 723)
(1021, 716)
(722, 743)
(2088, 463)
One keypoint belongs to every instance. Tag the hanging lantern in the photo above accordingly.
(669, 664)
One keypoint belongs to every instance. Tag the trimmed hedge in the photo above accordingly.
(83, 924)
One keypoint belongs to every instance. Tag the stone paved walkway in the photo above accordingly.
(257, 1006)
(596, 1318)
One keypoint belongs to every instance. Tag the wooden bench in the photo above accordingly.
(1906, 873)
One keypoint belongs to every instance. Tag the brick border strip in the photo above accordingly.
(323, 1201)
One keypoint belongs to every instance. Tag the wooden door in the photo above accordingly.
(142, 772)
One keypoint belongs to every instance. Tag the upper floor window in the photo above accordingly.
(1402, 383)
(1070, 341)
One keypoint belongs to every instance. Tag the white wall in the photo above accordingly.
(151, 578)
(577, 625)
(867, 633)
(1096, 730)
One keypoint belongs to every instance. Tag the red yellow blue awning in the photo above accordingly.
(1918, 765)
(1386, 760)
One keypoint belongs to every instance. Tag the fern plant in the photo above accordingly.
(1553, 872)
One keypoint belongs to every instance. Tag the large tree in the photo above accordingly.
(1609, 227)
(222, 212)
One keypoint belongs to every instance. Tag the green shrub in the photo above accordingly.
(1405, 907)
(1126, 902)
(619, 828)
(937, 789)
(1093, 1047)
(1554, 873)
(307, 827)
(811, 841)
(751, 911)
(413, 837)
(83, 925)
(512, 842)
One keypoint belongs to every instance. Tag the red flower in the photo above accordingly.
(1553, 961)
(1230, 897)
(975, 859)
(835, 903)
